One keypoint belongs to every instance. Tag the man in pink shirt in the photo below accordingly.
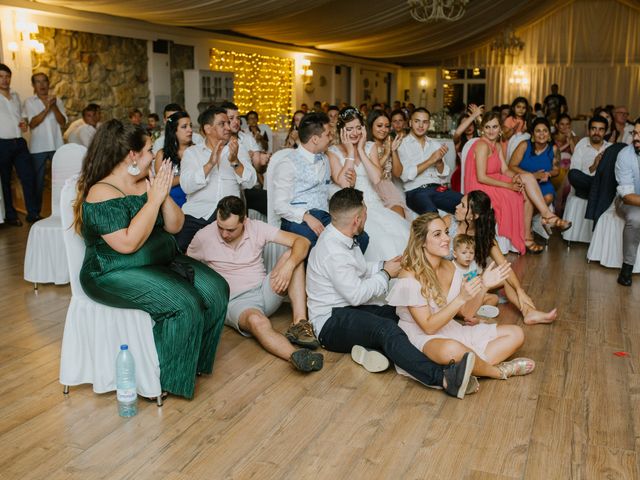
(233, 247)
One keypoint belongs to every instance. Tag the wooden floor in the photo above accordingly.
(576, 416)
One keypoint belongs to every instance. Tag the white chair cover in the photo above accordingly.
(94, 332)
(463, 160)
(606, 242)
(45, 260)
(264, 128)
(273, 251)
(514, 141)
(581, 228)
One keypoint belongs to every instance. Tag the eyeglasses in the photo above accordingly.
(624, 114)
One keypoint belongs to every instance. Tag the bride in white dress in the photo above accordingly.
(351, 167)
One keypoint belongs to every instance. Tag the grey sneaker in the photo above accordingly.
(306, 360)
(457, 375)
(372, 360)
(301, 334)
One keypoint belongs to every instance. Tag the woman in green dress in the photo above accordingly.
(132, 261)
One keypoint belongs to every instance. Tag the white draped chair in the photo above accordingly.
(45, 260)
(606, 242)
(581, 228)
(264, 128)
(94, 332)
(273, 251)
(513, 143)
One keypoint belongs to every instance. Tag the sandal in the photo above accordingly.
(554, 221)
(532, 247)
(518, 366)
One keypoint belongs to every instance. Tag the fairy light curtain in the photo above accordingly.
(261, 83)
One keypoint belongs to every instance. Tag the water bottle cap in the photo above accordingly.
(124, 347)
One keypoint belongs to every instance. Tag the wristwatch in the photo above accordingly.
(235, 165)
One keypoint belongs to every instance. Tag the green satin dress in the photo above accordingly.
(188, 318)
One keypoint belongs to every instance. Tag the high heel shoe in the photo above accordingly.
(554, 221)
(518, 366)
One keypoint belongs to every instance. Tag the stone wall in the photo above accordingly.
(89, 68)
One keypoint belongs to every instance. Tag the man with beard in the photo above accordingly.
(344, 293)
(628, 203)
(587, 155)
(255, 197)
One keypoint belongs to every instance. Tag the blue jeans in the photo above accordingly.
(376, 327)
(428, 199)
(14, 153)
(304, 230)
(40, 167)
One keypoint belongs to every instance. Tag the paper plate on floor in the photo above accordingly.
(488, 311)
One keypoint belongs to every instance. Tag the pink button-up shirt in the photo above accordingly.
(240, 265)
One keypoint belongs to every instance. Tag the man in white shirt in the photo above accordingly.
(424, 171)
(627, 171)
(301, 182)
(586, 157)
(255, 197)
(14, 152)
(621, 128)
(46, 116)
(210, 171)
(83, 130)
(169, 110)
(342, 289)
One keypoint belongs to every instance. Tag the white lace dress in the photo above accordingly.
(388, 232)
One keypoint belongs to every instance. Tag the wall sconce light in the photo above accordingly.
(519, 77)
(424, 83)
(27, 37)
(305, 68)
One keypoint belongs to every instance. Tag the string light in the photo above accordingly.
(261, 83)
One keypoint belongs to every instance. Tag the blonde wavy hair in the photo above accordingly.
(414, 259)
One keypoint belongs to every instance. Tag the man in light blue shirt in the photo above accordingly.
(628, 203)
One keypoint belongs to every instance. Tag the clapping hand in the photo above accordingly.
(158, 187)
(215, 153)
(495, 275)
(475, 111)
(233, 149)
(396, 142)
(470, 288)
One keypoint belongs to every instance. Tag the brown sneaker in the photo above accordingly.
(306, 360)
(301, 334)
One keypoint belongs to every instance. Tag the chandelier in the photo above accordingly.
(507, 43)
(434, 10)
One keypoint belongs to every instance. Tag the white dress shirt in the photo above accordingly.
(204, 193)
(584, 154)
(47, 136)
(10, 116)
(284, 179)
(339, 276)
(411, 154)
(158, 144)
(249, 142)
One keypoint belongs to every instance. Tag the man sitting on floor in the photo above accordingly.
(342, 289)
(628, 203)
(233, 247)
(301, 182)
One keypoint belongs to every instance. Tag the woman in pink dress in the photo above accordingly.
(513, 195)
(430, 291)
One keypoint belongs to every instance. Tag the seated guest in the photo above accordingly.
(258, 132)
(210, 171)
(430, 292)
(301, 182)
(565, 140)
(45, 114)
(342, 291)
(424, 171)
(516, 120)
(177, 138)
(154, 129)
(628, 203)
(382, 151)
(512, 194)
(132, 260)
(621, 128)
(135, 116)
(292, 140)
(333, 113)
(398, 123)
(169, 110)
(475, 217)
(586, 157)
(256, 197)
(539, 157)
(83, 130)
(233, 247)
(352, 167)
(465, 132)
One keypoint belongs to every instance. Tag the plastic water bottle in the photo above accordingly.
(126, 383)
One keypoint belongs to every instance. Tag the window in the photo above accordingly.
(463, 86)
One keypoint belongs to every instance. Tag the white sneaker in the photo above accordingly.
(372, 360)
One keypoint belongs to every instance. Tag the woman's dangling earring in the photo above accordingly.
(133, 169)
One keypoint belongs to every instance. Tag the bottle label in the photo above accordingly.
(126, 395)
